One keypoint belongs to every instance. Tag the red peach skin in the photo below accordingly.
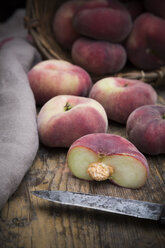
(63, 28)
(145, 44)
(146, 129)
(108, 150)
(62, 25)
(65, 118)
(93, 4)
(53, 77)
(120, 96)
(108, 144)
(98, 57)
(111, 23)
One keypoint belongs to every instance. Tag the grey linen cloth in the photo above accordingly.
(18, 129)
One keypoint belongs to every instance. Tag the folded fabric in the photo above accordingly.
(18, 129)
(14, 26)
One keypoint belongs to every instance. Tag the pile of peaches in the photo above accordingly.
(75, 112)
(102, 35)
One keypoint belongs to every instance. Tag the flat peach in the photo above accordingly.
(146, 129)
(114, 23)
(50, 78)
(65, 118)
(107, 156)
(145, 44)
(62, 26)
(120, 96)
(98, 57)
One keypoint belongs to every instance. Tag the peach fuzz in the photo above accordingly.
(111, 23)
(146, 129)
(145, 44)
(120, 96)
(50, 78)
(65, 118)
(98, 57)
(107, 156)
(62, 26)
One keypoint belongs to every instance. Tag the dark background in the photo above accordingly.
(9, 6)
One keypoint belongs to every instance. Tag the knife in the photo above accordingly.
(116, 205)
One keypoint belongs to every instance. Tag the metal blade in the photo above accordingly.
(140, 209)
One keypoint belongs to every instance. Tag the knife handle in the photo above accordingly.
(162, 216)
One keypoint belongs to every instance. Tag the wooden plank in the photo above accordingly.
(29, 222)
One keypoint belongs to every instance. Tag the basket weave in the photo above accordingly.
(38, 21)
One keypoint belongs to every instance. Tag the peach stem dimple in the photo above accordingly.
(67, 107)
(99, 171)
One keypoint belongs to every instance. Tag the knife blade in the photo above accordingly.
(116, 205)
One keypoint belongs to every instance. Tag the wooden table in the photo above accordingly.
(29, 222)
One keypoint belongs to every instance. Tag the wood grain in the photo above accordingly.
(29, 222)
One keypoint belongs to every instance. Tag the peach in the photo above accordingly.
(107, 156)
(65, 118)
(93, 4)
(98, 57)
(146, 129)
(135, 8)
(111, 23)
(62, 25)
(156, 7)
(120, 96)
(50, 78)
(145, 44)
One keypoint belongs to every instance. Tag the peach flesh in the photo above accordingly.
(122, 163)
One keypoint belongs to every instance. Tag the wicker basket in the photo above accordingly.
(38, 20)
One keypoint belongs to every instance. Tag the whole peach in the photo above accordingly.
(98, 57)
(65, 118)
(146, 129)
(62, 25)
(145, 44)
(120, 96)
(50, 78)
(111, 23)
